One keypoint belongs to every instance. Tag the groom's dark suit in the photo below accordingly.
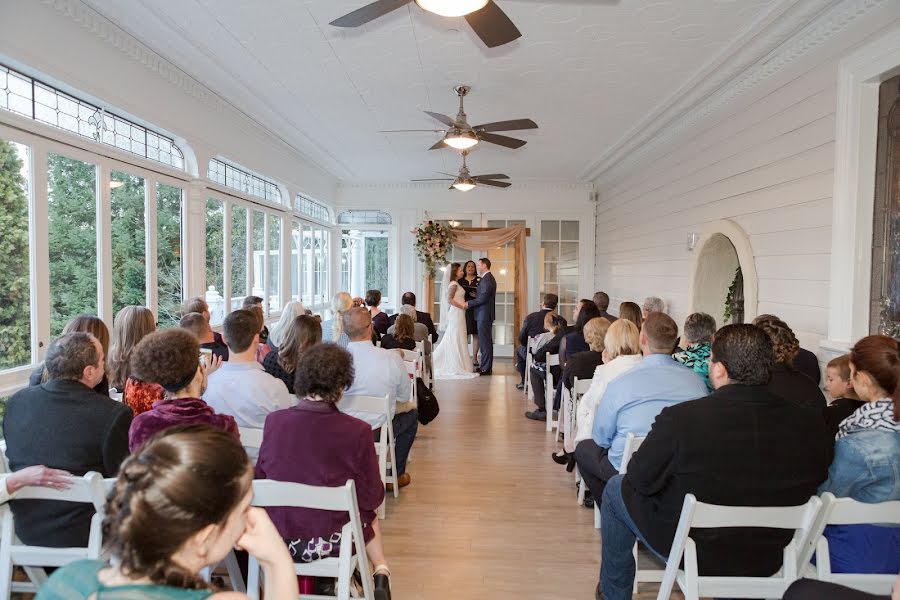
(485, 299)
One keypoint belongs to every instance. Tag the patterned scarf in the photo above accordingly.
(873, 416)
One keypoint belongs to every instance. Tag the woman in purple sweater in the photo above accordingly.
(171, 358)
(334, 447)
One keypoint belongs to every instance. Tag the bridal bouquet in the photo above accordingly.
(433, 243)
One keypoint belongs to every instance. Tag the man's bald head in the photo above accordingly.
(356, 324)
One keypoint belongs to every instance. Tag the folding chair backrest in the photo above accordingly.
(4, 462)
(581, 387)
(632, 443)
(377, 405)
(87, 489)
(410, 355)
(552, 360)
(251, 437)
(268, 492)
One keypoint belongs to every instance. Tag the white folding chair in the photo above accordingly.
(384, 447)
(414, 370)
(696, 514)
(549, 391)
(846, 511)
(4, 462)
(529, 393)
(251, 440)
(88, 489)
(116, 394)
(579, 389)
(632, 443)
(267, 493)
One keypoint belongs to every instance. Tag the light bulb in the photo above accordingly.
(464, 186)
(461, 141)
(452, 8)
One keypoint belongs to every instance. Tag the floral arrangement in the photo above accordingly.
(434, 242)
(729, 298)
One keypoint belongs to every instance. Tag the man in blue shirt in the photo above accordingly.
(632, 401)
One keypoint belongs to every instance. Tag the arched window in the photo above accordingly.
(364, 217)
(309, 207)
(29, 97)
(238, 178)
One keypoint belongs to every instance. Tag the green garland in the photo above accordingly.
(434, 242)
(729, 297)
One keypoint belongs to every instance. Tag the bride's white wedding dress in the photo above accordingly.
(451, 358)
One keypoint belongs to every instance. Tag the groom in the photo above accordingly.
(485, 298)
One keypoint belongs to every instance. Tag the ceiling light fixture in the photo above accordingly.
(460, 140)
(464, 184)
(452, 8)
(116, 184)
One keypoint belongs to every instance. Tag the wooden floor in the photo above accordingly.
(488, 514)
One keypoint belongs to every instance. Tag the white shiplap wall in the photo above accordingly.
(768, 166)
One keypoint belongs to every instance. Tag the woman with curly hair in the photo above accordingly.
(171, 359)
(786, 381)
(335, 447)
(180, 504)
(403, 336)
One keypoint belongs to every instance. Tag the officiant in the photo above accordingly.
(469, 282)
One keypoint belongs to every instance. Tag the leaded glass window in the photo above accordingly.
(242, 180)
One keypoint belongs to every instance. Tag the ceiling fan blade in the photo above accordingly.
(439, 144)
(501, 140)
(369, 12)
(501, 184)
(412, 130)
(507, 125)
(439, 179)
(492, 25)
(491, 176)
(442, 118)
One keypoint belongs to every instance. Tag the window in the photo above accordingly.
(364, 217)
(215, 259)
(311, 208)
(503, 267)
(238, 256)
(559, 261)
(259, 254)
(364, 261)
(274, 264)
(28, 97)
(242, 180)
(320, 290)
(129, 265)
(168, 254)
(72, 223)
(15, 285)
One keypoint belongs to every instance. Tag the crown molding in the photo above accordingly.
(543, 186)
(792, 30)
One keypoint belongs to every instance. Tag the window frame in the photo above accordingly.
(393, 295)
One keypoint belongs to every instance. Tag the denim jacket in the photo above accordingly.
(866, 467)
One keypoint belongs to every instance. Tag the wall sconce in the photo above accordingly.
(692, 239)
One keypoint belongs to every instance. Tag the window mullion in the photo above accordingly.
(104, 244)
(39, 227)
(151, 243)
(226, 255)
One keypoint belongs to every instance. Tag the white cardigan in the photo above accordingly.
(603, 374)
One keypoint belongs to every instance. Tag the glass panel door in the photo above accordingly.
(168, 254)
(128, 227)
(15, 281)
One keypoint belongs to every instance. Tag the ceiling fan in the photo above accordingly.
(465, 181)
(462, 136)
(484, 17)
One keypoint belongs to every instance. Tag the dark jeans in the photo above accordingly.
(538, 383)
(405, 427)
(486, 344)
(520, 362)
(810, 589)
(618, 533)
(594, 467)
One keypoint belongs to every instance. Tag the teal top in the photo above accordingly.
(79, 580)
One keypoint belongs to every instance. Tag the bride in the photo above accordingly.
(451, 358)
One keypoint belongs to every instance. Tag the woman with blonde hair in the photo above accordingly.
(333, 328)
(621, 353)
(82, 324)
(279, 331)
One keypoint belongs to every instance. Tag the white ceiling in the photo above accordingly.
(587, 71)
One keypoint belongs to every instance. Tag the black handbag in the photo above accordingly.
(428, 403)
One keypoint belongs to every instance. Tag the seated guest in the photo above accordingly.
(632, 312)
(64, 424)
(865, 459)
(403, 335)
(787, 381)
(291, 311)
(533, 326)
(282, 363)
(198, 304)
(420, 330)
(379, 372)
(839, 386)
(131, 325)
(574, 341)
(241, 388)
(197, 325)
(80, 324)
(409, 299)
(38, 475)
(632, 401)
(256, 303)
(806, 362)
(181, 504)
(811, 589)
(547, 345)
(580, 366)
(380, 320)
(336, 447)
(333, 328)
(697, 340)
(652, 304)
(742, 445)
(601, 299)
(621, 353)
(171, 358)
(262, 347)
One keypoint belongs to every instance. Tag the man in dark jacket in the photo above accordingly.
(531, 327)
(601, 299)
(65, 424)
(740, 446)
(408, 298)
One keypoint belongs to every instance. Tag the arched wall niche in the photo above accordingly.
(722, 247)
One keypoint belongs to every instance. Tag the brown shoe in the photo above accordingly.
(404, 480)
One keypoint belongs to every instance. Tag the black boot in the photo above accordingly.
(382, 587)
